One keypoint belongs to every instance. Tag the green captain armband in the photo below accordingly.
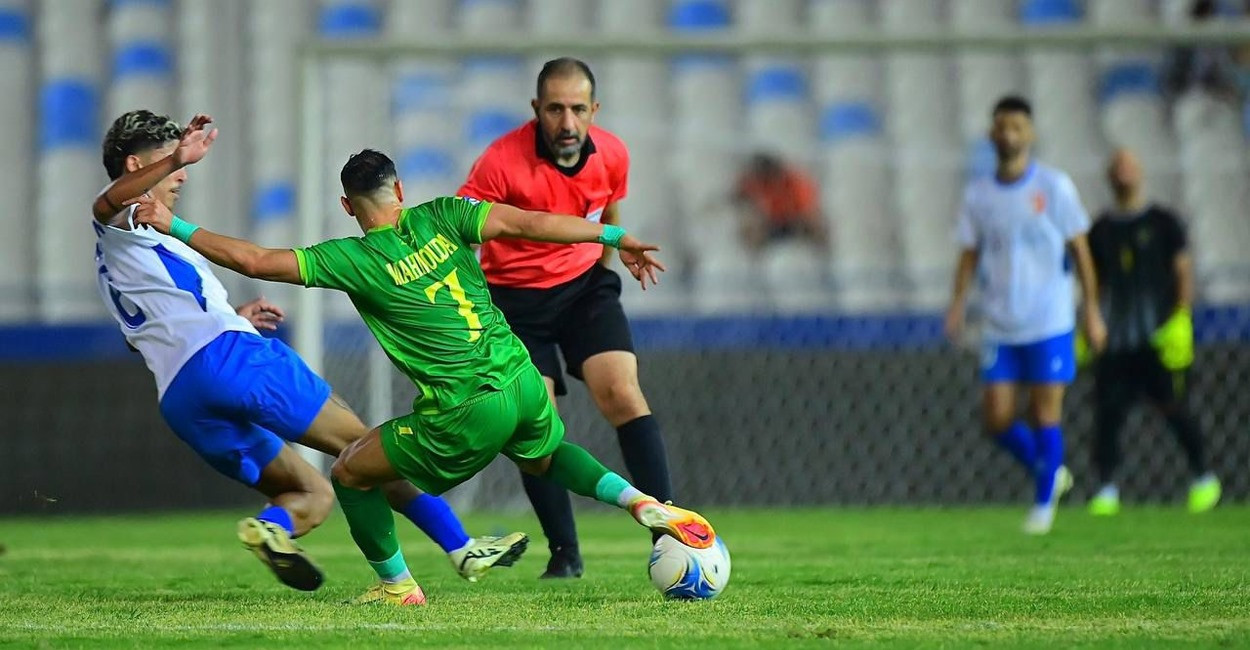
(611, 235)
(182, 230)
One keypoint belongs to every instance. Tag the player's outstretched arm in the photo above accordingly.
(192, 147)
(1095, 328)
(507, 221)
(239, 255)
(964, 270)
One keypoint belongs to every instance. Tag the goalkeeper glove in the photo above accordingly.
(1084, 355)
(1175, 340)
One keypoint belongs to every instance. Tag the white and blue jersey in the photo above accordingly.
(1021, 231)
(228, 392)
(163, 296)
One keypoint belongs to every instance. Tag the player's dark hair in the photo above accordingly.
(563, 67)
(366, 172)
(1013, 104)
(134, 133)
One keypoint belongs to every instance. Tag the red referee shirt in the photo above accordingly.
(518, 170)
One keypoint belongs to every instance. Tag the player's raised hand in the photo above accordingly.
(638, 258)
(152, 213)
(262, 314)
(195, 140)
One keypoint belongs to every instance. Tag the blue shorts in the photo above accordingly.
(238, 398)
(1050, 361)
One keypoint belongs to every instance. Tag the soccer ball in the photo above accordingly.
(684, 573)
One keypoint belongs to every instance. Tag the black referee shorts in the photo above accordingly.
(581, 317)
(1122, 377)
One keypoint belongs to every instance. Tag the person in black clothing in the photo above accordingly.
(1145, 280)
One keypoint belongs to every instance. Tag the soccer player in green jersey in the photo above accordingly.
(415, 280)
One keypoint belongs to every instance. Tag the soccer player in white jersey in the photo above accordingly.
(231, 394)
(1021, 231)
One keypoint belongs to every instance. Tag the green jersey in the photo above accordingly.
(419, 289)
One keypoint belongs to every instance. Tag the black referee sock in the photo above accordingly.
(642, 446)
(554, 510)
(1189, 434)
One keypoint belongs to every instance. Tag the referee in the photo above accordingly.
(564, 300)
(1146, 286)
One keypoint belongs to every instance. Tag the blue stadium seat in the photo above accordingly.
(782, 82)
(485, 125)
(275, 200)
(14, 25)
(845, 120)
(142, 59)
(1129, 78)
(1050, 12)
(348, 20)
(426, 162)
(698, 15)
(68, 109)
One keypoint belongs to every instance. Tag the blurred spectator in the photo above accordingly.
(1212, 69)
(779, 201)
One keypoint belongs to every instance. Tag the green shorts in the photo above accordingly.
(438, 451)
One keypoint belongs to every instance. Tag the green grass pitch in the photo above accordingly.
(820, 578)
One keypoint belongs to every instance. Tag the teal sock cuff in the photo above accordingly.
(611, 235)
(610, 487)
(394, 567)
(182, 230)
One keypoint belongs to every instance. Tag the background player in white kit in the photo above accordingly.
(1023, 229)
(231, 394)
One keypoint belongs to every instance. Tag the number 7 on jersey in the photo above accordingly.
(452, 282)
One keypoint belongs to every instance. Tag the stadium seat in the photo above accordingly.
(1123, 12)
(556, 17)
(422, 99)
(725, 277)
(275, 29)
(778, 111)
(485, 17)
(142, 61)
(928, 190)
(1049, 12)
(795, 277)
(68, 139)
(707, 100)
(17, 73)
(856, 182)
(839, 16)
(407, 20)
(769, 16)
(984, 77)
(921, 102)
(907, 16)
(981, 13)
(638, 16)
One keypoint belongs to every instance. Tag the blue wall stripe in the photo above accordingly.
(425, 162)
(14, 25)
(349, 20)
(68, 110)
(273, 201)
(103, 341)
(142, 59)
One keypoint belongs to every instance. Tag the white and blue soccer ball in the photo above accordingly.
(684, 573)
